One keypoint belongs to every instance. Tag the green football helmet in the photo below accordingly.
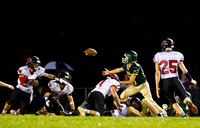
(130, 57)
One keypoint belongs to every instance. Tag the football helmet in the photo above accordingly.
(134, 102)
(64, 75)
(33, 60)
(114, 76)
(167, 44)
(130, 57)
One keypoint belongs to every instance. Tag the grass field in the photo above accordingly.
(32, 121)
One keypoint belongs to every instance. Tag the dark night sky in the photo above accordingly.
(64, 34)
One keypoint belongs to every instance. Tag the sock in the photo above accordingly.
(97, 114)
(182, 114)
(86, 111)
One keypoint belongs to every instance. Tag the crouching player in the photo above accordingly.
(57, 89)
(96, 97)
(134, 107)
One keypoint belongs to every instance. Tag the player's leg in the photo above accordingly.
(24, 102)
(145, 90)
(133, 112)
(132, 90)
(178, 110)
(153, 109)
(183, 96)
(13, 98)
(169, 89)
(96, 102)
(6, 107)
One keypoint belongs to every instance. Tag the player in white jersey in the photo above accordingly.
(24, 90)
(57, 89)
(96, 97)
(166, 66)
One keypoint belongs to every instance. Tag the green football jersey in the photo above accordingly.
(137, 70)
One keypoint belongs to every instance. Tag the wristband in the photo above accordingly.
(71, 103)
(46, 98)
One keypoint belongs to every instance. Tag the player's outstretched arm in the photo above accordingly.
(50, 76)
(6, 85)
(114, 71)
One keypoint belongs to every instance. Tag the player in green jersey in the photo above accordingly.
(136, 77)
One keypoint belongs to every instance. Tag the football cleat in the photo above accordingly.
(37, 113)
(4, 112)
(82, 113)
(192, 107)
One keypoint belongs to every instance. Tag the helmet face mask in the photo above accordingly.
(125, 59)
(65, 75)
(33, 62)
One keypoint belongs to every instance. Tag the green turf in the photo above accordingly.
(31, 121)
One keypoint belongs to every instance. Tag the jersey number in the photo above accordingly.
(171, 66)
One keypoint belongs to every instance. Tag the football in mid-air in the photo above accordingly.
(90, 52)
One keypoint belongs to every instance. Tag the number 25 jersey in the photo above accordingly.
(168, 63)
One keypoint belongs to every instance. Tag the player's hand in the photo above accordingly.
(62, 81)
(32, 77)
(158, 92)
(106, 72)
(11, 87)
(194, 82)
(121, 105)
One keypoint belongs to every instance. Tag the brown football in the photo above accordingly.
(90, 52)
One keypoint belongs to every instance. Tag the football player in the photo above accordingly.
(57, 89)
(136, 77)
(135, 107)
(2, 84)
(24, 90)
(96, 97)
(166, 68)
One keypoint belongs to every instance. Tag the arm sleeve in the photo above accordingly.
(124, 66)
(155, 58)
(181, 57)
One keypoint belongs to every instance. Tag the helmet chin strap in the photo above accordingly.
(133, 62)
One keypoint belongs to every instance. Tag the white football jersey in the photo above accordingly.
(104, 86)
(57, 91)
(121, 112)
(168, 62)
(28, 85)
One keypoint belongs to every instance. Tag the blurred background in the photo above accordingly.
(62, 33)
